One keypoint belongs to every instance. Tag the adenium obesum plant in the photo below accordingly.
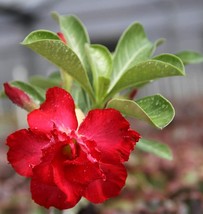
(78, 137)
(65, 161)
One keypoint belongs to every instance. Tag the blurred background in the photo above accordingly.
(154, 185)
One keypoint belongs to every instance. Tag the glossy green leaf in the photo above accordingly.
(75, 34)
(100, 61)
(36, 94)
(165, 65)
(133, 47)
(156, 148)
(190, 57)
(59, 54)
(155, 110)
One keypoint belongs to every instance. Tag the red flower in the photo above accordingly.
(65, 162)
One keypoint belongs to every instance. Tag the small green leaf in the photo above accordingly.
(157, 43)
(133, 47)
(59, 54)
(103, 83)
(55, 76)
(100, 61)
(161, 66)
(79, 97)
(2, 94)
(190, 57)
(40, 35)
(172, 60)
(155, 110)
(156, 148)
(44, 82)
(75, 34)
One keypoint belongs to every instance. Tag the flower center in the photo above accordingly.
(71, 150)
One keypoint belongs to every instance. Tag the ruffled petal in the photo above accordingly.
(46, 193)
(110, 186)
(57, 110)
(72, 176)
(110, 130)
(25, 150)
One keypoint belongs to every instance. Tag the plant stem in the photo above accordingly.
(55, 211)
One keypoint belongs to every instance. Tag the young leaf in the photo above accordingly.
(59, 54)
(157, 43)
(161, 66)
(155, 110)
(190, 57)
(133, 47)
(75, 34)
(100, 61)
(156, 148)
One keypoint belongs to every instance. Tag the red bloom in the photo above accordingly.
(65, 162)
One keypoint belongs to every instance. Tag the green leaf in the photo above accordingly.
(190, 57)
(79, 97)
(75, 34)
(2, 94)
(100, 61)
(156, 148)
(44, 82)
(103, 83)
(161, 66)
(36, 94)
(155, 110)
(133, 47)
(55, 76)
(59, 54)
(157, 43)
(40, 35)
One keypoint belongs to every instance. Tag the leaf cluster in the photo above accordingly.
(97, 78)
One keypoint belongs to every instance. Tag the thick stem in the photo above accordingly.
(55, 211)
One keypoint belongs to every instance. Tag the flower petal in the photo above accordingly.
(46, 193)
(25, 150)
(110, 130)
(74, 175)
(110, 186)
(58, 109)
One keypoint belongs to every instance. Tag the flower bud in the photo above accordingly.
(19, 97)
(62, 37)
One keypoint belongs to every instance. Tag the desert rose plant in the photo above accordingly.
(78, 137)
